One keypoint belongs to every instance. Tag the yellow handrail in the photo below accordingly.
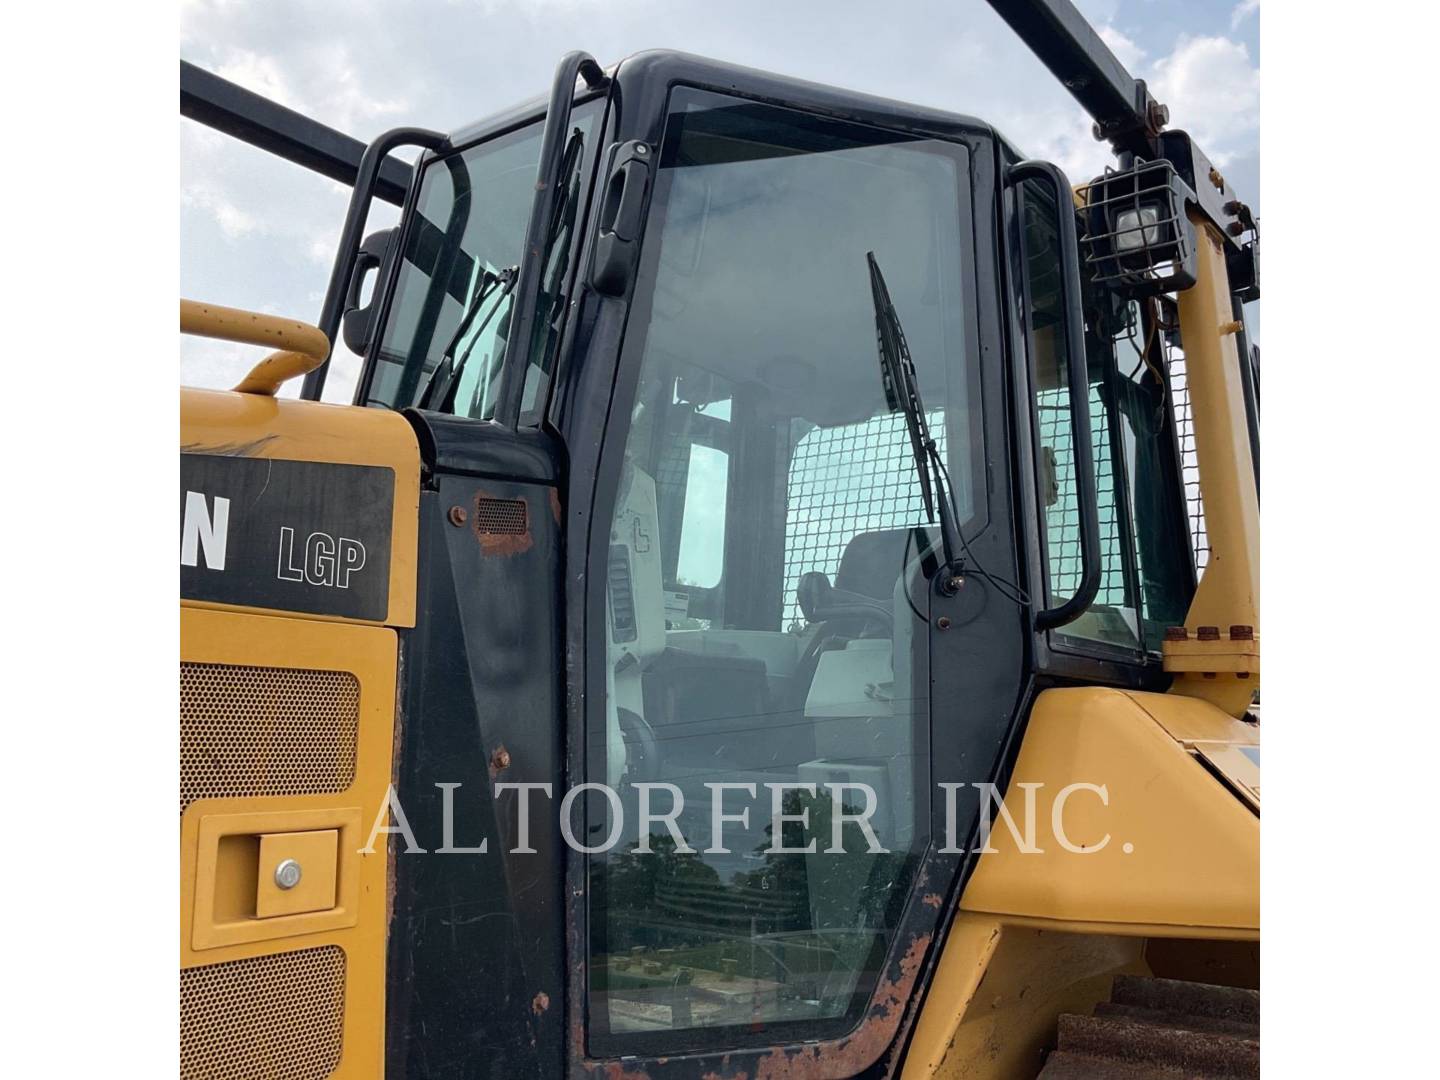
(302, 347)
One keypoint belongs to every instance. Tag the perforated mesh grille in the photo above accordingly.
(247, 731)
(505, 516)
(278, 1017)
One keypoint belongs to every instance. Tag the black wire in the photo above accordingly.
(1008, 589)
(1011, 591)
(904, 582)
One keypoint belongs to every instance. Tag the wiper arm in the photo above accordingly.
(446, 375)
(440, 386)
(902, 394)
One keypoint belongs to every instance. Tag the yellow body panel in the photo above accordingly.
(1194, 859)
(991, 1009)
(1043, 933)
(272, 974)
(250, 425)
(215, 925)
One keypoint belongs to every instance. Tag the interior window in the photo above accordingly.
(768, 558)
(1144, 586)
(446, 333)
(1144, 455)
(702, 535)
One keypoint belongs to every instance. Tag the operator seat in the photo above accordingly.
(872, 561)
(861, 599)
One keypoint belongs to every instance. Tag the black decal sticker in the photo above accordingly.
(293, 535)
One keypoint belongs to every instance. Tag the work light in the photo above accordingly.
(1138, 238)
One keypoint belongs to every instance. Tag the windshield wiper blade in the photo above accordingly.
(446, 375)
(902, 394)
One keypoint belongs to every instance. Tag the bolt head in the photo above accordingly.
(458, 516)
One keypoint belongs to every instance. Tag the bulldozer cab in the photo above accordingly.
(673, 553)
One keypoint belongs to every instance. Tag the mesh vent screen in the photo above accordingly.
(279, 1017)
(247, 731)
(501, 516)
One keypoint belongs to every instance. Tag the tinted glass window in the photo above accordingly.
(766, 547)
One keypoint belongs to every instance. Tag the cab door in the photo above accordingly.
(757, 603)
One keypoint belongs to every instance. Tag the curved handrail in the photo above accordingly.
(1074, 329)
(555, 137)
(366, 177)
(301, 348)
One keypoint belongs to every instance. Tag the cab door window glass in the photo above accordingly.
(766, 636)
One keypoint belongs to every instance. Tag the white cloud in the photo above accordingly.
(234, 222)
(259, 74)
(1243, 11)
(257, 232)
(1213, 90)
(1125, 49)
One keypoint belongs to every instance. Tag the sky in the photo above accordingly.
(257, 232)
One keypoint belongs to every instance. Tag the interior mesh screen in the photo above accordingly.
(846, 480)
(1062, 518)
(281, 1017)
(1189, 464)
(247, 731)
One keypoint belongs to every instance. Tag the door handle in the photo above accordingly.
(622, 217)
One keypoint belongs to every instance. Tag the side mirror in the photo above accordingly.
(357, 323)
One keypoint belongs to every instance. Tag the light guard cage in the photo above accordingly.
(1137, 237)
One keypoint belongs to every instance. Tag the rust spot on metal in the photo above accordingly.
(1176, 633)
(540, 1003)
(397, 746)
(618, 1070)
(829, 1061)
(499, 761)
(932, 900)
(555, 504)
